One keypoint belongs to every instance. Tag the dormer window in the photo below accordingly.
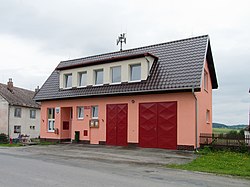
(82, 78)
(117, 70)
(98, 76)
(68, 80)
(116, 74)
(135, 72)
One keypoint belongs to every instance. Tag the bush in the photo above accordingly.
(4, 138)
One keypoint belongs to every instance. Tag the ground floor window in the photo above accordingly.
(17, 129)
(94, 112)
(51, 125)
(51, 119)
(80, 112)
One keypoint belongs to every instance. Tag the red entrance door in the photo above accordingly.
(158, 125)
(117, 123)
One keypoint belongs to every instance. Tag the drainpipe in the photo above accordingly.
(196, 120)
(9, 121)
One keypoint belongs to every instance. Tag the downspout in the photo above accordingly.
(196, 120)
(9, 121)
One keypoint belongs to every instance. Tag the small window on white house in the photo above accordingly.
(116, 74)
(17, 112)
(94, 111)
(68, 80)
(82, 78)
(32, 127)
(80, 112)
(17, 129)
(208, 116)
(98, 77)
(51, 119)
(33, 114)
(135, 72)
(205, 80)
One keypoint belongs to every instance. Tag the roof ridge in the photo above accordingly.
(114, 52)
(18, 88)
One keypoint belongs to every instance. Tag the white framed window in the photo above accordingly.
(135, 72)
(116, 74)
(18, 112)
(208, 116)
(17, 128)
(80, 112)
(205, 80)
(98, 76)
(51, 119)
(82, 76)
(68, 80)
(32, 114)
(94, 112)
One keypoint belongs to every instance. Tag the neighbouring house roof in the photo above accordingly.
(178, 67)
(18, 96)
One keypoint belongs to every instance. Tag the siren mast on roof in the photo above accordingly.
(121, 39)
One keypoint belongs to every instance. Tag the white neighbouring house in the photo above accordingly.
(19, 113)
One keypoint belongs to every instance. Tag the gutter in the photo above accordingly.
(196, 120)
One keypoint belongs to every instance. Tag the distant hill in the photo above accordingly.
(221, 125)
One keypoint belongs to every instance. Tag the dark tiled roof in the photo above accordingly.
(179, 67)
(18, 97)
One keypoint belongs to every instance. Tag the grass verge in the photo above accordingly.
(219, 162)
(10, 145)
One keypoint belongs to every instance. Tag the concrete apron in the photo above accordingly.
(113, 154)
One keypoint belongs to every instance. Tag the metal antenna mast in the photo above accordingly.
(121, 39)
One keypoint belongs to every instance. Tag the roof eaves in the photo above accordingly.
(211, 67)
(171, 90)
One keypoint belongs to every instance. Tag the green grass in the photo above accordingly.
(221, 162)
(10, 145)
(223, 130)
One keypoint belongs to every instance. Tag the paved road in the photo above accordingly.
(31, 167)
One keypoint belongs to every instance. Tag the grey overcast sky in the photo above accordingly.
(35, 35)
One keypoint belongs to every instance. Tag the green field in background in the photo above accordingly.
(223, 130)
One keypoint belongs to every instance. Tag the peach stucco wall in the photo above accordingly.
(185, 116)
(205, 103)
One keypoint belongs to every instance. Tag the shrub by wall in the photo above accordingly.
(4, 138)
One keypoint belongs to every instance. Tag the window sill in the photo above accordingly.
(68, 88)
(98, 85)
(80, 119)
(115, 83)
(134, 81)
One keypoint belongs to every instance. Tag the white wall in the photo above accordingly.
(25, 122)
(3, 115)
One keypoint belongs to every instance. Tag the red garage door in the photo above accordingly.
(158, 125)
(117, 123)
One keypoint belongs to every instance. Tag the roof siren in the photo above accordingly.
(121, 39)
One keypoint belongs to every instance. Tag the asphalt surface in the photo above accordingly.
(71, 165)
